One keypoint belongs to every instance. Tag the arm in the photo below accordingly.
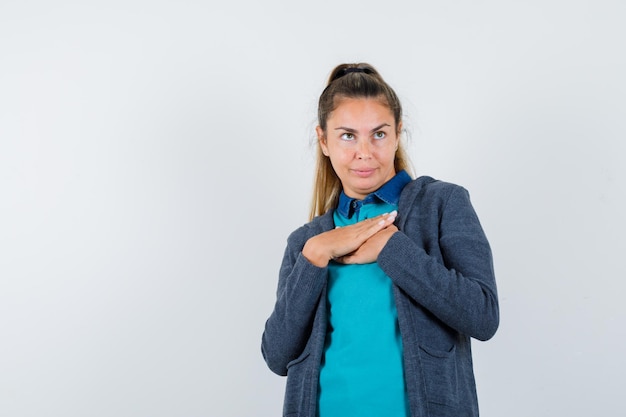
(459, 285)
(288, 328)
(300, 283)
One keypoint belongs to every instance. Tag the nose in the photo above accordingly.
(363, 150)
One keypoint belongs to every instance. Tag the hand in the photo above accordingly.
(336, 243)
(369, 250)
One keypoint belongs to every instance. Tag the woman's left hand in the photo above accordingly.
(368, 251)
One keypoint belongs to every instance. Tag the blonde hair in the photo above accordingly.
(350, 81)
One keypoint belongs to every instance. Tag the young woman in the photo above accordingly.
(379, 294)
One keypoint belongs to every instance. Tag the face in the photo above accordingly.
(361, 141)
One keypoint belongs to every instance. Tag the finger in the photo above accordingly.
(385, 219)
(381, 219)
(343, 260)
(370, 227)
(346, 259)
(347, 239)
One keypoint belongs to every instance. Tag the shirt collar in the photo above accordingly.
(388, 193)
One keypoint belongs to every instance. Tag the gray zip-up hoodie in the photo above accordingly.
(445, 292)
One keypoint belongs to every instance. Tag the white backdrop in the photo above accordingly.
(154, 156)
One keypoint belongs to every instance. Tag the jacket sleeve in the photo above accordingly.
(288, 328)
(455, 282)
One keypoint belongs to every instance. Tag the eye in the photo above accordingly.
(347, 136)
(379, 135)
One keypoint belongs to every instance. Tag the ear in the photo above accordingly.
(322, 140)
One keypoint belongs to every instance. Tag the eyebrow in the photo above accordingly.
(350, 130)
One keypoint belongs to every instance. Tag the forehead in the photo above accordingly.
(361, 111)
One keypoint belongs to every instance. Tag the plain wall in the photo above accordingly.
(154, 156)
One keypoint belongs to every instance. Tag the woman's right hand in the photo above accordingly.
(341, 241)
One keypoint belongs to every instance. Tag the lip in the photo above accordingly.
(363, 172)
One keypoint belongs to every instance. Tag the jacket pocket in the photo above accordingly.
(299, 386)
(440, 375)
(298, 360)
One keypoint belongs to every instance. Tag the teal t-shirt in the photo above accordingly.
(362, 373)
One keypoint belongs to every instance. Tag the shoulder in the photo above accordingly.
(429, 190)
(437, 204)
